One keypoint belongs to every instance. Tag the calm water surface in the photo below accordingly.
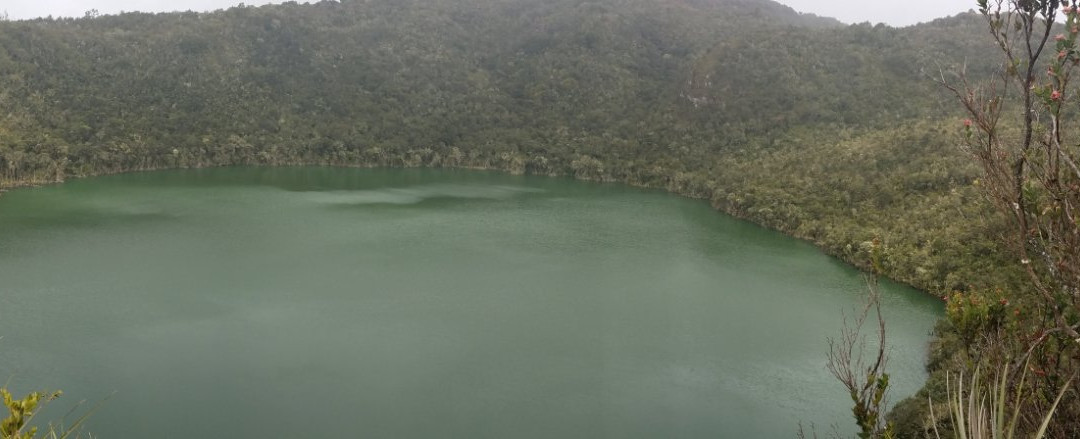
(316, 302)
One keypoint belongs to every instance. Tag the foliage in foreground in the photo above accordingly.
(991, 409)
(1032, 177)
(21, 412)
(1022, 133)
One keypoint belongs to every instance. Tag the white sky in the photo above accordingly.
(892, 12)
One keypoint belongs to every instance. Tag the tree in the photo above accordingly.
(1023, 131)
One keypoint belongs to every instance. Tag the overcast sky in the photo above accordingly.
(892, 12)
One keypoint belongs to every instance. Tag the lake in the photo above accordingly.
(382, 303)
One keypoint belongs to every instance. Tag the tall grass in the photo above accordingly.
(990, 410)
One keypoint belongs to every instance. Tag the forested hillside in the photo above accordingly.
(828, 132)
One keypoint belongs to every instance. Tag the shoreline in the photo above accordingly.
(722, 208)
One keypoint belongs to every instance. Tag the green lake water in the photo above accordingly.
(328, 302)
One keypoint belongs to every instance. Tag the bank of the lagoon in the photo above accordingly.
(268, 302)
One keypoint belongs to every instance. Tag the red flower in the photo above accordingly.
(967, 123)
(1055, 95)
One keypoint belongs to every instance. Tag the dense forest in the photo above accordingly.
(833, 133)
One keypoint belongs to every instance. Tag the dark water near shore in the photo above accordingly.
(323, 302)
